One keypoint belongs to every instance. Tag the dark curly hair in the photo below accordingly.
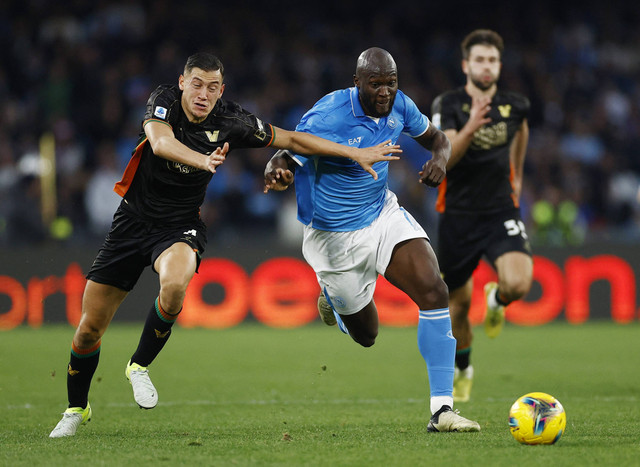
(483, 37)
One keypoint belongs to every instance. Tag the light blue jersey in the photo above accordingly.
(336, 194)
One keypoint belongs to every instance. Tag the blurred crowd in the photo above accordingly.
(82, 72)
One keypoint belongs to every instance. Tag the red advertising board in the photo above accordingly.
(277, 288)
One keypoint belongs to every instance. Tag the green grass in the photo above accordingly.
(252, 395)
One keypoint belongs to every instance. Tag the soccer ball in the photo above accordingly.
(537, 418)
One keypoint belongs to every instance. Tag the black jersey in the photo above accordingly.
(481, 180)
(157, 189)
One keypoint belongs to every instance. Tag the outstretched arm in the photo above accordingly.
(165, 145)
(311, 145)
(435, 169)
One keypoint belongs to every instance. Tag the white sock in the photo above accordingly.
(491, 300)
(438, 401)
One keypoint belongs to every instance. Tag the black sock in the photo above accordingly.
(155, 334)
(499, 299)
(82, 366)
(462, 358)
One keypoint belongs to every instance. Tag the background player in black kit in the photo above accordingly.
(479, 198)
(187, 131)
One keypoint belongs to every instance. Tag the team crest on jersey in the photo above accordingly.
(212, 135)
(392, 122)
(338, 302)
(505, 110)
(160, 112)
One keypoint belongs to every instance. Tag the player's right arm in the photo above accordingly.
(461, 139)
(164, 144)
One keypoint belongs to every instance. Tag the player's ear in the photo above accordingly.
(465, 66)
(181, 82)
(356, 81)
(221, 89)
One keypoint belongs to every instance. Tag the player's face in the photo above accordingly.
(200, 92)
(483, 66)
(377, 93)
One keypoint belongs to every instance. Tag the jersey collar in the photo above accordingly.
(358, 111)
(356, 107)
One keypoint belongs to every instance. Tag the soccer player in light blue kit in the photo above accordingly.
(355, 229)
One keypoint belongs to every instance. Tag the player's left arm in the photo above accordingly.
(310, 145)
(517, 153)
(435, 169)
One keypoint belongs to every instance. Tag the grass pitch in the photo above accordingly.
(251, 395)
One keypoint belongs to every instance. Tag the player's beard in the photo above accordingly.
(483, 85)
(371, 109)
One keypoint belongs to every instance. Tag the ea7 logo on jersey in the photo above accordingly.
(355, 141)
(160, 112)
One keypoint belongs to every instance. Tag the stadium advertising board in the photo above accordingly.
(278, 289)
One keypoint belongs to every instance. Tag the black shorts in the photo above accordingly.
(464, 239)
(132, 244)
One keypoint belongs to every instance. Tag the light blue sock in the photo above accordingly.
(341, 325)
(438, 348)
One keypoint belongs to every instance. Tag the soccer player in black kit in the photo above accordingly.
(479, 198)
(187, 131)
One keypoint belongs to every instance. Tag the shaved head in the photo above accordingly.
(377, 81)
(375, 61)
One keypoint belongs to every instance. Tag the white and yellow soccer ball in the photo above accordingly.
(537, 418)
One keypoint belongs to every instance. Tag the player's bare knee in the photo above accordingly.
(171, 296)
(459, 309)
(87, 336)
(515, 289)
(365, 339)
(434, 296)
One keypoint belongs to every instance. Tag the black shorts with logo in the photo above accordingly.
(133, 243)
(464, 239)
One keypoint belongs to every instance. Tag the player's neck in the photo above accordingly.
(475, 91)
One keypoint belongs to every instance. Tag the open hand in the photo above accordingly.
(217, 157)
(366, 157)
